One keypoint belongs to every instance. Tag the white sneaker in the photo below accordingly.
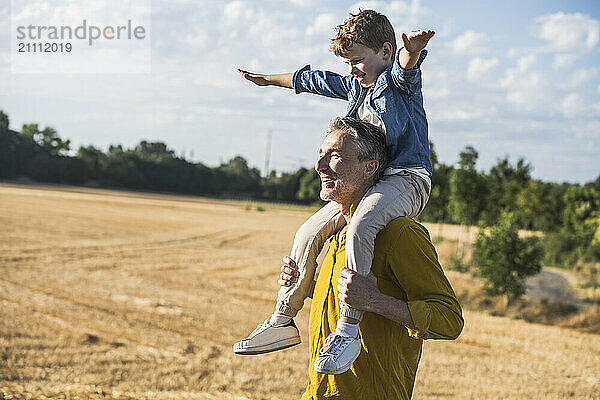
(266, 338)
(337, 354)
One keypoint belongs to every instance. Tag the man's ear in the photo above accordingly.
(371, 167)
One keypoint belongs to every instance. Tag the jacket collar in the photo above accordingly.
(381, 83)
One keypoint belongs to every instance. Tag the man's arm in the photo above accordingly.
(431, 310)
(364, 295)
(281, 80)
(361, 292)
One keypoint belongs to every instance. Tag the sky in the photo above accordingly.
(512, 79)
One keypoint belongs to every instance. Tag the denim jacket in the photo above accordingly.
(396, 100)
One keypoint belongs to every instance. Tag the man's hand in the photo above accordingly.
(282, 80)
(416, 41)
(358, 291)
(362, 293)
(289, 272)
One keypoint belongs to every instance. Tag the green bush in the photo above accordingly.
(578, 239)
(505, 260)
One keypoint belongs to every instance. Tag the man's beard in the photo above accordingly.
(326, 194)
(331, 193)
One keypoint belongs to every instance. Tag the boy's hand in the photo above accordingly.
(416, 41)
(257, 79)
(289, 272)
(282, 80)
(289, 275)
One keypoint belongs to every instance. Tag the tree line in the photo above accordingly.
(568, 214)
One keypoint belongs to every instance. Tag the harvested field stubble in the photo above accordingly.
(107, 294)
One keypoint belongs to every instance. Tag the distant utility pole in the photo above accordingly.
(268, 154)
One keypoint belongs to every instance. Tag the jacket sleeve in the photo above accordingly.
(432, 303)
(324, 83)
(408, 80)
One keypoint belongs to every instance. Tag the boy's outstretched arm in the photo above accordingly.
(414, 42)
(281, 80)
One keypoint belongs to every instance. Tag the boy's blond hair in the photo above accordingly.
(368, 28)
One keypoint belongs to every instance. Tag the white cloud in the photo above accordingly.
(56, 12)
(569, 32)
(526, 87)
(274, 32)
(458, 113)
(524, 63)
(323, 25)
(569, 36)
(303, 3)
(197, 38)
(581, 76)
(415, 8)
(531, 98)
(404, 16)
(564, 60)
(595, 111)
(437, 87)
(470, 42)
(480, 66)
(30, 11)
(4, 11)
(236, 11)
(5, 64)
(592, 131)
(518, 73)
(572, 105)
(587, 136)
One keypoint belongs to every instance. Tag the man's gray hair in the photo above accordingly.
(369, 140)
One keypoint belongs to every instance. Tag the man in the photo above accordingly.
(406, 297)
(383, 88)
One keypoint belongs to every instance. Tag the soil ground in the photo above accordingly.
(108, 294)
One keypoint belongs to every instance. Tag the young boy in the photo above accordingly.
(383, 88)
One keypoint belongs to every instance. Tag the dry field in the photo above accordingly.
(108, 294)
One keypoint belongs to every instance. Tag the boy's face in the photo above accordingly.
(366, 64)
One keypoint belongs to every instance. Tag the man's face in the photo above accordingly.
(366, 64)
(341, 173)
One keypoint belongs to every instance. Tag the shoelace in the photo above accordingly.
(330, 342)
(259, 329)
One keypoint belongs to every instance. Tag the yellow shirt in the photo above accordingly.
(407, 268)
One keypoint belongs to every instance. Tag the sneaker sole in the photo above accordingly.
(280, 345)
(335, 372)
(338, 371)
